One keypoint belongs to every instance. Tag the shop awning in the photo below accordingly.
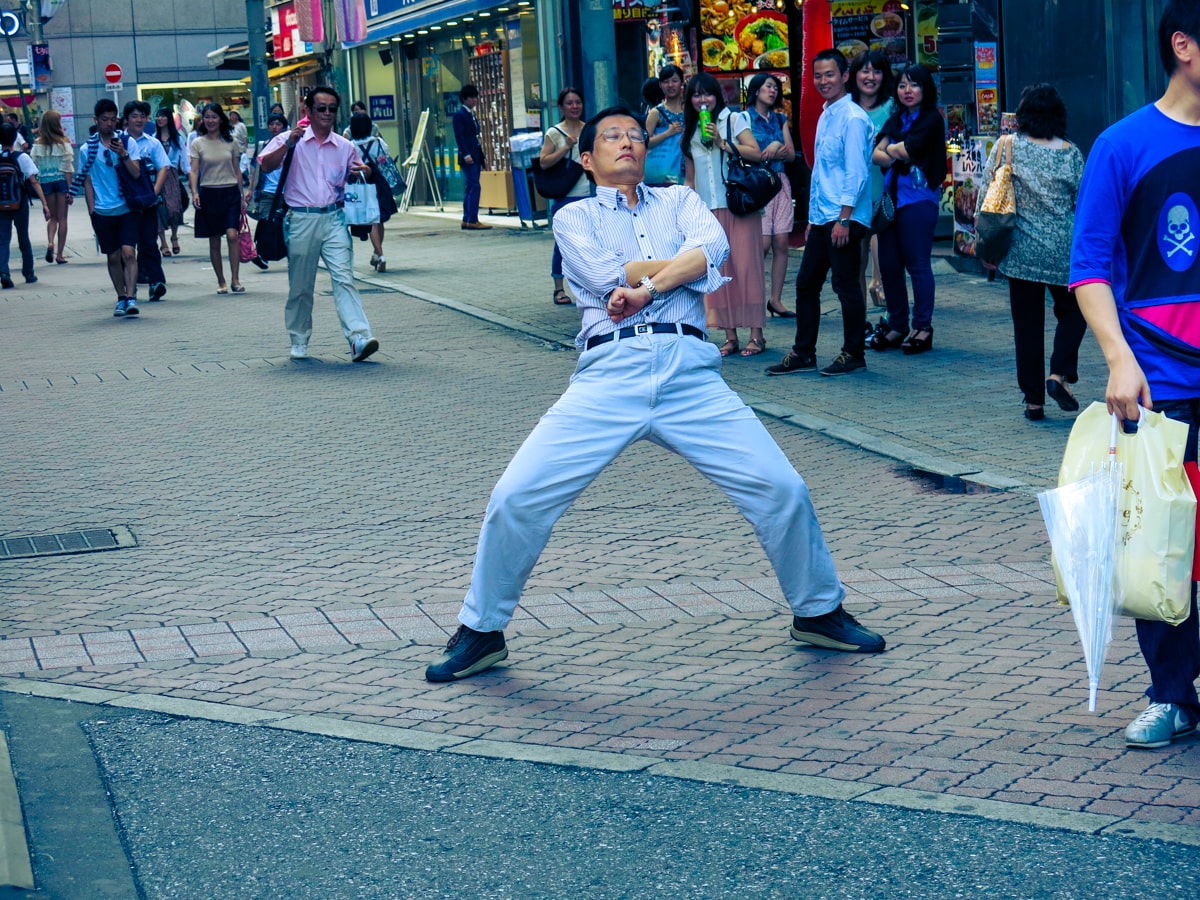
(300, 68)
(231, 56)
(418, 15)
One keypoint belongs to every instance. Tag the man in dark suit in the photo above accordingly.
(470, 155)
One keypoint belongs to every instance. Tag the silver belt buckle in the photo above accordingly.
(643, 329)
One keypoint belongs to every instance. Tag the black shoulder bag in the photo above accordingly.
(749, 186)
(268, 235)
(556, 181)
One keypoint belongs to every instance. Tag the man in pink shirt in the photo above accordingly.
(315, 227)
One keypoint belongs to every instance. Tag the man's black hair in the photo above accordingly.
(468, 91)
(836, 55)
(104, 106)
(136, 106)
(1180, 15)
(8, 133)
(276, 117)
(587, 137)
(321, 89)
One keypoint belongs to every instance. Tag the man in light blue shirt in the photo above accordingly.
(839, 217)
(158, 164)
(640, 259)
(116, 226)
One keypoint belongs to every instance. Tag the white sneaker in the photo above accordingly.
(364, 347)
(1158, 725)
(299, 351)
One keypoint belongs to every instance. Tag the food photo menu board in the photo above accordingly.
(743, 35)
(862, 25)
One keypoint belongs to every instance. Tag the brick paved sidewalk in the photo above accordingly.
(305, 535)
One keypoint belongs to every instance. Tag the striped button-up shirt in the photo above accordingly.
(599, 235)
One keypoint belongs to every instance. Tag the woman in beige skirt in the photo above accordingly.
(740, 303)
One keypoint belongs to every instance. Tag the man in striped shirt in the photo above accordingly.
(639, 260)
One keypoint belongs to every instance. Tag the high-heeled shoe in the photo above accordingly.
(782, 313)
(880, 340)
(913, 345)
(1059, 394)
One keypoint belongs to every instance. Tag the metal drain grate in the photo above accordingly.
(91, 540)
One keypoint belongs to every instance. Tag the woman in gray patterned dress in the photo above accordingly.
(1047, 169)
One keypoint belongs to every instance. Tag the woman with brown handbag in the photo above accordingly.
(1046, 171)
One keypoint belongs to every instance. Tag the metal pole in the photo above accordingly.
(20, 87)
(260, 87)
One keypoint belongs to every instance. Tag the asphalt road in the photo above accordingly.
(213, 810)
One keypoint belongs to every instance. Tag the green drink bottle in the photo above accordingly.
(705, 126)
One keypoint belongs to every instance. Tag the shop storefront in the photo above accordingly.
(417, 57)
(649, 36)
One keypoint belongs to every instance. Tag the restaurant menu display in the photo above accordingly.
(743, 35)
(862, 25)
(968, 172)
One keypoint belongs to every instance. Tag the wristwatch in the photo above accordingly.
(845, 223)
(650, 289)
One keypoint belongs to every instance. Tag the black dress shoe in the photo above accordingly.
(1059, 394)
(1035, 414)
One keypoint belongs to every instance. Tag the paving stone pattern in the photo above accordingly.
(306, 530)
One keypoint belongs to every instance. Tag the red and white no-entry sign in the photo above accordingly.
(112, 73)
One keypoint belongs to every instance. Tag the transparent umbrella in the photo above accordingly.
(1081, 519)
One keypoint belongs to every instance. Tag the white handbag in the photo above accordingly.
(361, 202)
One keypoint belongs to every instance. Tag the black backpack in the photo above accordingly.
(12, 181)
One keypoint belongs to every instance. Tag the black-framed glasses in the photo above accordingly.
(612, 135)
(326, 109)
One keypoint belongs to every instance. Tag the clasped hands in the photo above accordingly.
(627, 300)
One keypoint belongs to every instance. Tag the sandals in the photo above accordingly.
(913, 345)
(238, 288)
(222, 289)
(754, 346)
(164, 250)
(175, 247)
(730, 347)
(562, 298)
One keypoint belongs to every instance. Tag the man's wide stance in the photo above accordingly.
(639, 260)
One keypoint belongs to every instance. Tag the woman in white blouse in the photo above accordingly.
(740, 303)
(562, 141)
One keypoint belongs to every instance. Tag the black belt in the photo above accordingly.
(317, 210)
(651, 328)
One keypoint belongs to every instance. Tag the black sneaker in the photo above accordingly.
(260, 262)
(836, 630)
(157, 292)
(843, 365)
(468, 653)
(6, 282)
(792, 363)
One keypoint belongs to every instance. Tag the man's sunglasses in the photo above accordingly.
(325, 109)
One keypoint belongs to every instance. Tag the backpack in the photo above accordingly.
(12, 182)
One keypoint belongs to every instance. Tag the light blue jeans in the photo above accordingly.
(312, 237)
(666, 389)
